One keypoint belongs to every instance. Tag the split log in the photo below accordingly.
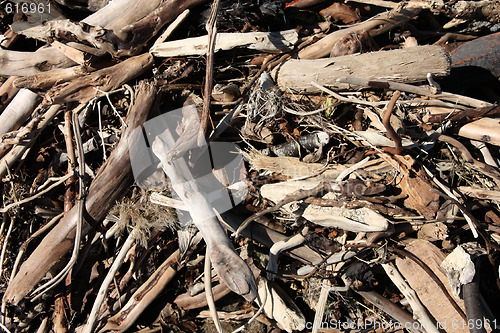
(374, 26)
(272, 42)
(19, 109)
(112, 180)
(403, 65)
(83, 89)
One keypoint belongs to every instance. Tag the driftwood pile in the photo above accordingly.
(185, 165)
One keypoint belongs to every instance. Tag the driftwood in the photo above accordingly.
(483, 129)
(232, 270)
(83, 89)
(375, 26)
(119, 38)
(113, 179)
(31, 63)
(7, 91)
(403, 65)
(19, 109)
(425, 288)
(272, 42)
(50, 78)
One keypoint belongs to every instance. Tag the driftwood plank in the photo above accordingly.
(273, 42)
(403, 65)
(113, 179)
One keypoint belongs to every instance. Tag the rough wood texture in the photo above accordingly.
(273, 42)
(403, 65)
(427, 290)
(83, 89)
(19, 109)
(483, 129)
(112, 180)
(49, 79)
(375, 26)
(119, 38)
(31, 63)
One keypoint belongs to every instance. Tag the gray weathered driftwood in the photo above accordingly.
(403, 65)
(272, 42)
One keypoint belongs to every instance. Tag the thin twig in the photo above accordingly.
(386, 120)
(212, 36)
(21, 202)
(94, 313)
(5, 243)
(80, 206)
(209, 294)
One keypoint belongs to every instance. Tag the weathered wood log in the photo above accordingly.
(83, 89)
(272, 42)
(374, 26)
(403, 65)
(112, 180)
(119, 38)
(19, 109)
(7, 91)
(31, 63)
(483, 129)
(50, 78)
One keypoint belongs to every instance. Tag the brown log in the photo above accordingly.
(83, 89)
(50, 78)
(112, 180)
(403, 65)
(374, 26)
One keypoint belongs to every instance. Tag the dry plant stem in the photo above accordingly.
(101, 295)
(18, 150)
(6, 242)
(39, 194)
(386, 120)
(111, 182)
(419, 311)
(83, 88)
(392, 310)
(69, 197)
(278, 247)
(480, 166)
(451, 195)
(387, 84)
(209, 294)
(212, 36)
(232, 270)
(79, 206)
(146, 293)
(374, 26)
(23, 247)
